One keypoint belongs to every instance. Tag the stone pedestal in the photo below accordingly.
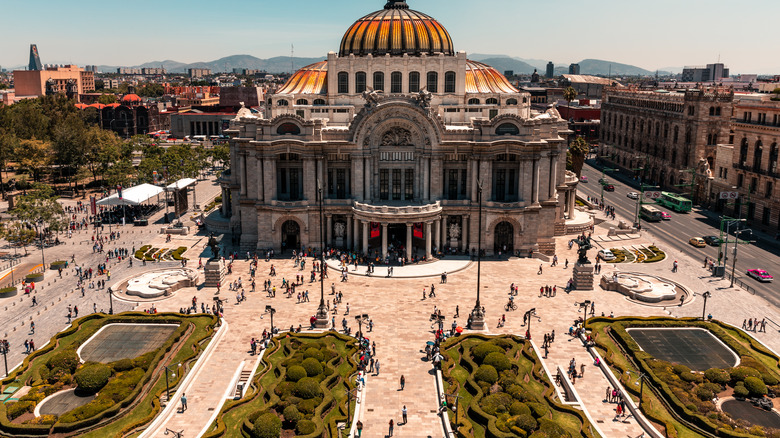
(477, 319)
(323, 319)
(583, 277)
(215, 273)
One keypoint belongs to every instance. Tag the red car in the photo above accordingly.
(609, 188)
(760, 275)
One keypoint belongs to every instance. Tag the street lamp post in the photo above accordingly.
(167, 386)
(322, 311)
(360, 320)
(4, 347)
(457, 404)
(585, 305)
(350, 393)
(110, 301)
(270, 310)
(477, 316)
(734, 259)
(704, 309)
(528, 316)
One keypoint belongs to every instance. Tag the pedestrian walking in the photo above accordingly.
(376, 364)
(359, 428)
(391, 428)
(183, 402)
(403, 382)
(540, 270)
(403, 414)
(674, 266)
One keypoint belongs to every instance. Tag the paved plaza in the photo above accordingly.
(400, 314)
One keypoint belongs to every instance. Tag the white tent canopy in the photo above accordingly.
(132, 196)
(181, 184)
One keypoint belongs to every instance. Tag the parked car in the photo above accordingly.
(666, 216)
(584, 179)
(606, 255)
(712, 240)
(633, 195)
(760, 275)
(698, 242)
(609, 188)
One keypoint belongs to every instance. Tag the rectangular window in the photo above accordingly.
(500, 192)
(751, 213)
(341, 183)
(396, 184)
(753, 183)
(765, 216)
(343, 82)
(433, 82)
(384, 184)
(409, 184)
(449, 82)
(768, 191)
(740, 180)
(283, 181)
(294, 185)
(395, 82)
(414, 82)
(331, 192)
(452, 184)
(463, 185)
(379, 81)
(360, 82)
(512, 181)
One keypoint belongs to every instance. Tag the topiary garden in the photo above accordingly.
(300, 390)
(690, 394)
(504, 391)
(127, 389)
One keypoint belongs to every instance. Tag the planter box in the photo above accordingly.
(33, 277)
(9, 292)
(57, 265)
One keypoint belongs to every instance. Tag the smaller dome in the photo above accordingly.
(312, 79)
(482, 78)
(131, 98)
(97, 105)
(80, 106)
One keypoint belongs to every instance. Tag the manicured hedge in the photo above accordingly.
(92, 377)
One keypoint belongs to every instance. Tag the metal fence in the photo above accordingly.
(738, 281)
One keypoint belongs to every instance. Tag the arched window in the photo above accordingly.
(360, 82)
(492, 101)
(712, 110)
(676, 134)
(270, 102)
(302, 102)
(414, 82)
(395, 82)
(288, 128)
(773, 158)
(473, 101)
(282, 102)
(511, 101)
(507, 129)
(449, 82)
(525, 100)
(379, 81)
(757, 156)
(343, 82)
(717, 111)
(433, 82)
(319, 102)
(743, 150)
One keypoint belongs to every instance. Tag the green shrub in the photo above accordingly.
(67, 360)
(739, 374)
(267, 426)
(503, 343)
(703, 393)
(43, 419)
(92, 377)
(14, 410)
(741, 391)
(305, 427)
(494, 404)
(482, 350)
(769, 379)
(57, 375)
(122, 365)
(689, 377)
(519, 408)
(176, 254)
(486, 373)
(552, 429)
(121, 386)
(520, 394)
(539, 410)
(292, 415)
(717, 375)
(295, 373)
(499, 361)
(144, 361)
(307, 388)
(308, 406)
(680, 369)
(525, 422)
(314, 353)
(312, 366)
(755, 386)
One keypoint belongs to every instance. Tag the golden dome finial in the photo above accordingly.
(396, 4)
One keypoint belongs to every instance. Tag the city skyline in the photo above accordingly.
(613, 32)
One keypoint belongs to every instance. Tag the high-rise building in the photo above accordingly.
(68, 79)
(550, 70)
(710, 73)
(198, 72)
(574, 69)
(35, 59)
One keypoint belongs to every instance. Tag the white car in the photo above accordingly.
(606, 255)
(633, 195)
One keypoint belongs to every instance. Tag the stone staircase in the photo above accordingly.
(243, 381)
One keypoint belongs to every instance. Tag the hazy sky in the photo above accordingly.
(652, 35)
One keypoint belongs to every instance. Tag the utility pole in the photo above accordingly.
(692, 185)
(736, 245)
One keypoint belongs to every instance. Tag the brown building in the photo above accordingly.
(68, 79)
(753, 170)
(665, 137)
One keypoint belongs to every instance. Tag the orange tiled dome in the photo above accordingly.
(396, 30)
(312, 79)
(131, 98)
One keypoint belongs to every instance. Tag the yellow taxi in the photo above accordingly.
(698, 242)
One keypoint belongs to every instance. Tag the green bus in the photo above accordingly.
(675, 202)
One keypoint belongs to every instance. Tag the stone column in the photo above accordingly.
(443, 231)
(356, 240)
(367, 177)
(269, 171)
(260, 178)
(384, 240)
(427, 240)
(535, 182)
(365, 238)
(409, 241)
(464, 234)
(310, 176)
(572, 199)
(242, 172)
(437, 234)
(224, 202)
(427, 178)
(553, 177)
(349, 232)
(328, 230)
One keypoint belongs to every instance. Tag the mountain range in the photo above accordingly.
(279, 64)
(587, 66)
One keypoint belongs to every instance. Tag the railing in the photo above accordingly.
(738, 281)
(387, 209)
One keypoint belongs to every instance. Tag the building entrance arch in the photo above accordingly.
(504, 238)
(291, 235)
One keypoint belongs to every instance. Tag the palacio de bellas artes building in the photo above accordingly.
(399, 131)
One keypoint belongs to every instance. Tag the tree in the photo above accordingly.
(8, 144)
(569, 94)
(17, 234)
(578, 149)
(39, 208)
(107, 99)
(101, 149)
(221, 153)
(69, 136)
(35, 156)
(151, 90)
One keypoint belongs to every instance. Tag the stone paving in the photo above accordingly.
(401, 320)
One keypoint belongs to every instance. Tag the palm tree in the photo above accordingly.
(578, 150)
(569, 94)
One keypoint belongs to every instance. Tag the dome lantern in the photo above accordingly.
(396, 4)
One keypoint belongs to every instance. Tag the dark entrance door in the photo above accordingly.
(291, 235)
(504, 238)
